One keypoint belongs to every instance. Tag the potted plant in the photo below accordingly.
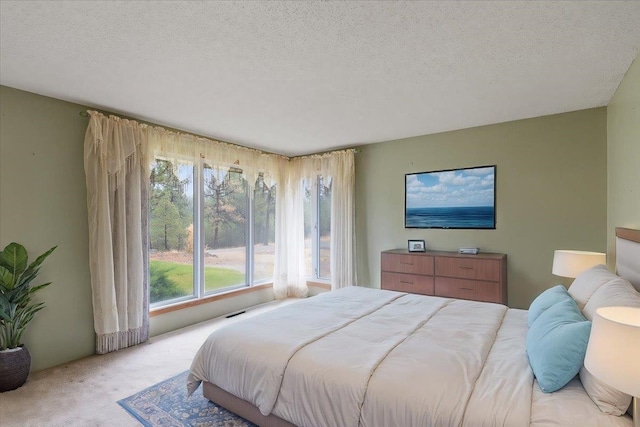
(16, 311)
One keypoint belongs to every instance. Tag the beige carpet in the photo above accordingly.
(84, 392)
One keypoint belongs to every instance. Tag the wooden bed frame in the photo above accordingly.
(628, 254)
(624, 237)
(241, 407)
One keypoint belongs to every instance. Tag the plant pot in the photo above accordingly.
(15, 364)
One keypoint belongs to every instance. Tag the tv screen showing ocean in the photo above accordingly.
(450, 217)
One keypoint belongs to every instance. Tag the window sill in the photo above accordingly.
(211, 298)
(319, 284)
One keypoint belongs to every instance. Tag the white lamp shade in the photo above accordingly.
(613, 353)
(568, 263)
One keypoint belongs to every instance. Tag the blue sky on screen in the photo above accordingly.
(465, 187)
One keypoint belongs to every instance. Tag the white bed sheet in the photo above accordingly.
(365, 357)
(570, 406)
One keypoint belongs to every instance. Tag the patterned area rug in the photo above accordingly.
(166, 404)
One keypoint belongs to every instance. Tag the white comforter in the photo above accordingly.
(365, 357)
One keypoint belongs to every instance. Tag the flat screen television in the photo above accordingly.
(454, 198)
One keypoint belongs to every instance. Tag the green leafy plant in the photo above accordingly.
(162, 287)
(16, 292)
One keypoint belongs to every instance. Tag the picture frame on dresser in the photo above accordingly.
(416, 246)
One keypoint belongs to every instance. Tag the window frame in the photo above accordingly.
(198, 287)
(315, 233)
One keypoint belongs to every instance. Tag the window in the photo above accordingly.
(208, 232)
(264, 226)
(317, 228)
(170, 231)
(224, 215)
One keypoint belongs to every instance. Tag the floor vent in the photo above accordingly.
(235, 314)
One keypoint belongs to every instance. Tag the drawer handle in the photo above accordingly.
(466, 268)
(466, 289)
(406, 263)
(408, 283)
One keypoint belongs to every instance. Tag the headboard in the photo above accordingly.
(628, 255)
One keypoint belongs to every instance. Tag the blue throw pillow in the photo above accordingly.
(556, 345)
(545, 300)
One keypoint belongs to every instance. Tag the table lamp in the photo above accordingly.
(613, 353)
(568, 263)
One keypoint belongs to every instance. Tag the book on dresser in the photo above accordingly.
(479, 277)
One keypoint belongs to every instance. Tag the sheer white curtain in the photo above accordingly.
(289, 276)
(179, 145)
(115, 169)
(342, 172)
(289, 279)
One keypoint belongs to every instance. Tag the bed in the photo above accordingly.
(369, 357)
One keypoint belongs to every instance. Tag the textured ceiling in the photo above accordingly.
(303, 77)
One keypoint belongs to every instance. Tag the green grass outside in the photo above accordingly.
(182, 275)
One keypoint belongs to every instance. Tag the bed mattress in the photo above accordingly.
(368, 357)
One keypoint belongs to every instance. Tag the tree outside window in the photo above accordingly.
(317, 228)
(232, 246)
(170, 222)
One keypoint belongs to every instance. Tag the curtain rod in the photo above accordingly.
(86, 115)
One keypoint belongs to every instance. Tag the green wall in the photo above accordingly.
(42, 204)
(623, 154)
(551, 194)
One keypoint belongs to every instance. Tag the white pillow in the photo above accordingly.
(607, 399)
(617, 292)
(588, 282)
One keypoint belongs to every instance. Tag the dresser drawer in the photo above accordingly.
(468, 268)
(407, 283)
(468, 289)
(403, 263)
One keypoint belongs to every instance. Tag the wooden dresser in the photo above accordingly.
(481, 277)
